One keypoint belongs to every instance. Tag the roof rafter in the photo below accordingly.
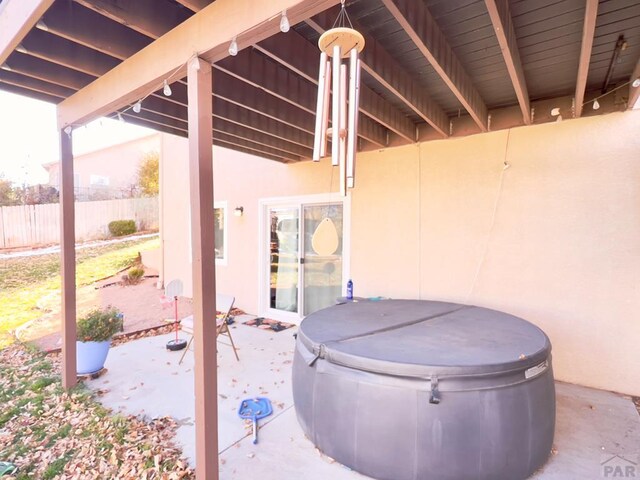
(378, 111)
(588, 31)
(260, 72)
(138, 75)
(419, 24)
(88, 28)
(381, 65)
(297, 54)
(152, 18)
(194, 5)
(500, 14)
(18, 17)
(63, 52)
(231, 140)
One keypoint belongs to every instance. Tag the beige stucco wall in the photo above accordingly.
(554, 238)
(119, 163)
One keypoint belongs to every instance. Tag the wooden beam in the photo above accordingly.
(419, 24)
(67, 261)
(297, 54)
(152, 18)
(204, 268)
(17, 18)
(500, 15)
(208, 32)
(634, 92)
(588, 31)
(385, 69)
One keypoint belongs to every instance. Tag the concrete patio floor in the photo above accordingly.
(145, 379)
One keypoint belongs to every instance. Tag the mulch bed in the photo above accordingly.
(268, 324)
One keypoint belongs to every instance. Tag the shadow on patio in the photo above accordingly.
(145, 379)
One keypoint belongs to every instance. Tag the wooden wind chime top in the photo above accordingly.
(346, 38)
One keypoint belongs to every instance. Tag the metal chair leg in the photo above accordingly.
(185, 350)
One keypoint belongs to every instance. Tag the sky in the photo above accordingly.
(28, 137)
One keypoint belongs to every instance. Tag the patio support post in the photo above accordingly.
(204, 273)
(67, 261)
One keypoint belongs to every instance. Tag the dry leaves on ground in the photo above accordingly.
(50, 434)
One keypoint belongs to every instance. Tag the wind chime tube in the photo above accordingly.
(342, 128)
(335, 107)
(325, 110)
(354, 105)
(322, 79)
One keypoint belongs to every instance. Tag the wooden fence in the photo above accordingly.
(32, 225)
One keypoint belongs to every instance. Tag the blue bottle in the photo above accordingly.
(349, 290)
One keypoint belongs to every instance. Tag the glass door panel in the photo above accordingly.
(322, 262)
(284, 255)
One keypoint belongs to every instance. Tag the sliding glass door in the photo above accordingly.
(303, 265)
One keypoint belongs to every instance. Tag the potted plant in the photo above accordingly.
(94, 333)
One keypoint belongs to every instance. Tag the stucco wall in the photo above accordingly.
(118, 163)
(553, 238)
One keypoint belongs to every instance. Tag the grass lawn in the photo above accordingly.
(25, 281)
(50, 434)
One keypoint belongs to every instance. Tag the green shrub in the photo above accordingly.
(133, 275)
(118, 228)
(99, 325)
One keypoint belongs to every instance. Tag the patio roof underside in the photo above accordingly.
(475, 57)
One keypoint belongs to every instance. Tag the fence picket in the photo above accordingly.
(34, 225)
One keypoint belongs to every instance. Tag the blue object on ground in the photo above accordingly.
(90, 356)
(255, 409)
(7, 468)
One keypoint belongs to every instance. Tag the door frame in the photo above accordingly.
(264, 252)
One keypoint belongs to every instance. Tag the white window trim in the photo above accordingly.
(224, 261)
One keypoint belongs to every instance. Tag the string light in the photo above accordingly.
(596, 104)
(284, 22)
(166, 89)
(233, 47)
(636, 83)
(137, 106)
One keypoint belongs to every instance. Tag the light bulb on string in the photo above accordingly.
(166, 89)
(284, 22)
(636, 83)
(137, 106)
(596, 104)
(233, 47)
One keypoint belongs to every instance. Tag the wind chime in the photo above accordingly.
(339, 43)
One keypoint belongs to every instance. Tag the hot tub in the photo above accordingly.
(408, 389)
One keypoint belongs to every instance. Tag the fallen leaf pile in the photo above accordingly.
(51, 434)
